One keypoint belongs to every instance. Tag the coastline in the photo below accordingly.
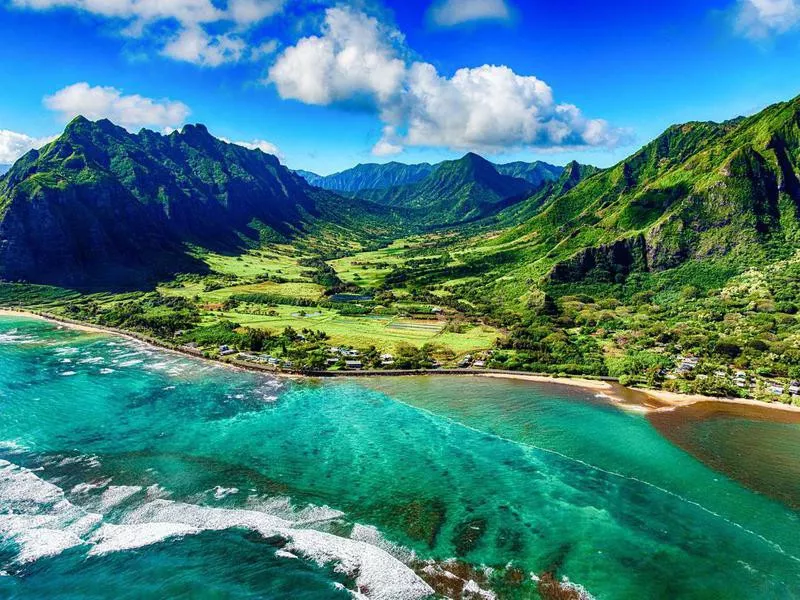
(640, 400)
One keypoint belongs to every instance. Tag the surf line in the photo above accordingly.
(531, 447)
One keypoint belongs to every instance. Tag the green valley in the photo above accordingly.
(676, 268)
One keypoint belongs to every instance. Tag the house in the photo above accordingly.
(334, 350)
(776, 388)
(353, 364)
(436, 310)
(479, 364)
(794, 388)
(387, 360)
(352, 353)
(226, 350)
(331, 361)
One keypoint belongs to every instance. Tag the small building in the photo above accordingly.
(226, 350)
(479, 364)
(331, 361)
(776, 388)
(794, 388)
(353, 364)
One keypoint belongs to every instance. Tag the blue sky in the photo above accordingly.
(327, 85)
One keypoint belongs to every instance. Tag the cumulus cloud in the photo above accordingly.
(358, 60)
(13, 145)
(130, 111)
(190, 21)
(263, 145)
(760, 19)
(449, 13)
(196, 46)
(355, 58)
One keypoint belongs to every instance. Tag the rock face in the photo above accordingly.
(102, 205)
(719, 191)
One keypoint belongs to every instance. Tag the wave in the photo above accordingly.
(41, 521)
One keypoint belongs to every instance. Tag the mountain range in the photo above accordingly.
(100, 203)
(373, 176)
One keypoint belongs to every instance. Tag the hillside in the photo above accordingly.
(102, 205)
(700, 191)
(369, 177)
(537, 173)
(456, 191)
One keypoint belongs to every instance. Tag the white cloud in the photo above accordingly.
(131, 111)
(13, 145)
(189, 20)
(248, 12)
(357, 60)
(449, 13)
(759, 19)
(196, 46)
(354, 59)
(263, 145)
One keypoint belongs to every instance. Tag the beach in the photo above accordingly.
(642, 400)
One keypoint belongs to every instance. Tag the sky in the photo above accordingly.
(326, 85)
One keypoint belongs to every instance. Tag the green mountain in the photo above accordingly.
(538, 173)
(700, 193)
(102, 205)
(369, 177)
(383, 176)
(456, 191)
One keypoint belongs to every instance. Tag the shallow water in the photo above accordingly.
(250, 487)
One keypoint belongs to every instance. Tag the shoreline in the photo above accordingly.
(639, 400)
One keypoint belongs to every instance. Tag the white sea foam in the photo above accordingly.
(92, 360)
(130, 363)
(116, 538)
(223, 492)
(90, 486)
(36, 515)
(15, 337)
(39, 542)
(44, 523)
(68, 373)
(116, 495)
(374, 569)
(106, 371)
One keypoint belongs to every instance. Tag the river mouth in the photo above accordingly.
(757, 446)
(502, 480)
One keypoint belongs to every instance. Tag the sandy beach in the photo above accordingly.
(639, 400)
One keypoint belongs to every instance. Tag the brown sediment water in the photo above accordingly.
(757, 446)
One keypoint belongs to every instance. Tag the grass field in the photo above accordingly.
(368, 269)
(280, 260)
(310, 291)
(383, 332)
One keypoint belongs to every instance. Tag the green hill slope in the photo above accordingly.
(457, 191)
(699, 191)
(102, 205)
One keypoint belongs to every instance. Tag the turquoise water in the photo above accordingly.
(127, 472)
